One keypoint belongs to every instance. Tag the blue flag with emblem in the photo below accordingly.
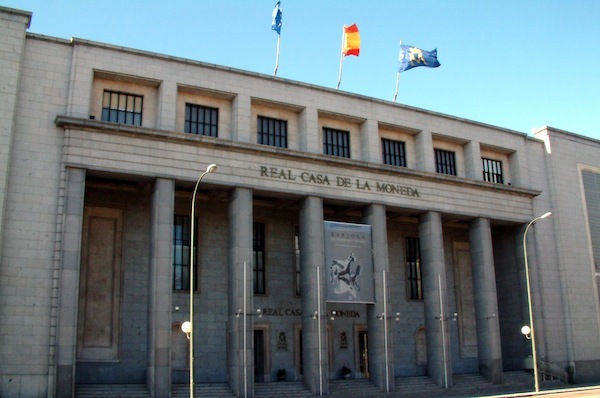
(277, 14)
(411, 57)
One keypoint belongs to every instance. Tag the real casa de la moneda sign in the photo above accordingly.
(338, 181)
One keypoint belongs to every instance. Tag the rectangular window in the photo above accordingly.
(393, 152)
(181, 253)
(297, 259)
(201, 120)
(445, 162)
(258, 248)
(272, 132)
(122, 108)
(413, 269)
(336, 142)
(492, 171)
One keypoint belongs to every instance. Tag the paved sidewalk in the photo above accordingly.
(583, 391)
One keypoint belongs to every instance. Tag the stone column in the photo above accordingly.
(316, 367)
(486, 300)
(160, 287)
(69, 282)
(240, 361)
(380, 358)
(439, 364)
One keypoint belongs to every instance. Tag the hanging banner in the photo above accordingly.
(348, 263)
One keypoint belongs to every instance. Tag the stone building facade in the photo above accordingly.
(102, 147)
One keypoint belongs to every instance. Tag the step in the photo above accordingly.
(281, 389)
(204, 390)
(416, 386)
(470, 380)
(353, 388)
(518, 377)
(111, 390)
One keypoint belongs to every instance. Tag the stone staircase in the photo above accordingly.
(464, 385)
(111, 390)
(477, 385)
(280, 389)
(353, 388)
(416, 386)
(204, 390)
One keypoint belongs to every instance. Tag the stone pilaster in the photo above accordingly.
(241, 113)
(69, 283)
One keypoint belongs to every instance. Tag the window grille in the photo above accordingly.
(492, 171)
(181, 254)
(201, 120)
(413, 269)
(258, 247)
(445, 162)
(393, 152)
(122, 108)
(336, 142)
(272, 132)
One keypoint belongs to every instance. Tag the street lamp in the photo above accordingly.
(528, 331)
(188, 326)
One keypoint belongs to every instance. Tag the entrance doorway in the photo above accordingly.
(259, 355)
(298, 355)
(362, 352)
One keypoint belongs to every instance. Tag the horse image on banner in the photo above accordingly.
(349, 262)
(342, 277)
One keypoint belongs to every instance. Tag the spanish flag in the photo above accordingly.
(351, 40)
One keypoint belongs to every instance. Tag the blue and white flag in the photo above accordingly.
(277, 15)
(411, 57)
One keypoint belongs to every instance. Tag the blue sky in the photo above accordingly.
(517, 64)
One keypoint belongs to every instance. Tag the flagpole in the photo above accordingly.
(277, 56)
(397, 84)
(398, 73)
(341, 60)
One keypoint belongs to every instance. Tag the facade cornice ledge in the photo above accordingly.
(18, 13)
(69, 122)
(567, 135)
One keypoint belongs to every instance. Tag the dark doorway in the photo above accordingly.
(259, 355)
(363, 354)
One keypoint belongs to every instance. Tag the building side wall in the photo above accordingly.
(12, 29)
(29, 245)
(568, 155)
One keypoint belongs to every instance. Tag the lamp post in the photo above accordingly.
(188, 327)
(529, 331)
